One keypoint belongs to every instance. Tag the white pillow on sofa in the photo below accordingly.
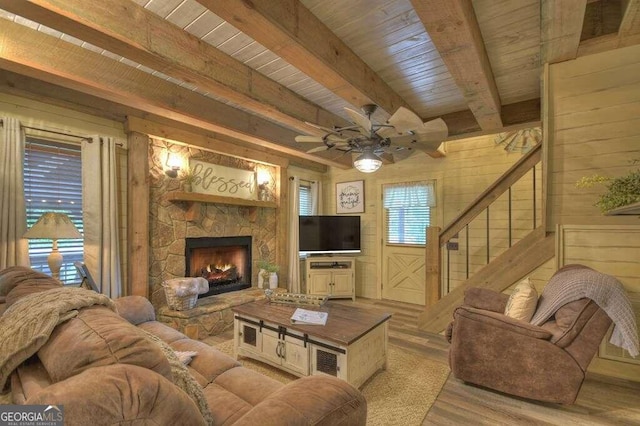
(523, 301)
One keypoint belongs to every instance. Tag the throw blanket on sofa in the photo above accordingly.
(28, 323)
(606, 291)
(183, 379)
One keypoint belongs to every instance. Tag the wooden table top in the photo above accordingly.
(345, 324)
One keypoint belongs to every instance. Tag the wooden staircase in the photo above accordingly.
(521, 259)
(501, 272)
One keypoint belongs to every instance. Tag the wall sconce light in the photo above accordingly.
(264, 178)
(173, 164)
(264, 193)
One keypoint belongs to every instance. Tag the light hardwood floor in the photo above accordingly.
(602, 400)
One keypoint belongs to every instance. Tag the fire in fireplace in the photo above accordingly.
(224, 261)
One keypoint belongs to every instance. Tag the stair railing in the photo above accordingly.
(440, 243)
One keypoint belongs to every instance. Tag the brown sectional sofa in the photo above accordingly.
(102, 367)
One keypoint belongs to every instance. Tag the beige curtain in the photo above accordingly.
(100, 214)
(294, 249)
(14, 249)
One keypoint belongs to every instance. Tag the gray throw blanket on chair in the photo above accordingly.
(606, 291)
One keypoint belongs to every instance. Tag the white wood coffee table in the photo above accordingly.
(351, 346)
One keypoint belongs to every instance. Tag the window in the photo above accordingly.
(408, 208)
(53, 183)
(305, 199)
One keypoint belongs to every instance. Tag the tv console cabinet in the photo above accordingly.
(331, 276)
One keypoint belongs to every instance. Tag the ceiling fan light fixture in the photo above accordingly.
(367, 162)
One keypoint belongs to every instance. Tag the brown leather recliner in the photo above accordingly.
(545, 363)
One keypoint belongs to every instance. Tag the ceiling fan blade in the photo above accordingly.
(405, 120)
(332, 154)
(324, 129)
(311, 139)
(387, 132)
(341, 144)
(360, 120)
(437, 129)
(387, 158)
(422, 141)
(335, 139)
(318, 149)
(399, 153)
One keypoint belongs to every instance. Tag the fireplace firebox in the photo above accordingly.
(224, 261)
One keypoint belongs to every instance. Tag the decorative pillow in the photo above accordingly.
(523, 301)
(185, 357)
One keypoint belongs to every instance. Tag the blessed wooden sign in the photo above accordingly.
(220, 180)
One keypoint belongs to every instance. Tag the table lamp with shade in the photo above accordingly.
(54, 226)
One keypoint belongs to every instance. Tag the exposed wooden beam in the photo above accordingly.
(138, 215)
(462, 124)
(154, 129)
(607, 42)
(628, 33)
(27, 87)
(454, 30)
(630, 25)
(62, 63)
(560, 29)
(291, 31)
(127, 29)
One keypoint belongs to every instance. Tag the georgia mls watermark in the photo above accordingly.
(31, 415)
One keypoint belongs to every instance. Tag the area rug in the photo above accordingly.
(400, 395)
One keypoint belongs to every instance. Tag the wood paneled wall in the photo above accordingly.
(594, 128)
(469, 167)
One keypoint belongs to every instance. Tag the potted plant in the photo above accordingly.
(187, 179)
(621, 192)
(268, 274)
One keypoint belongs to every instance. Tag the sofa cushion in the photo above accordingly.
(569, 320)
(236, 391)
(522, 302)
(484, 298)
(19, 281)
(135, 309)
(98, 337)
(14, 276)
(120, 395)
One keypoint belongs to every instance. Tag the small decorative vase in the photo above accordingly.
(273, 280)
(261, 280)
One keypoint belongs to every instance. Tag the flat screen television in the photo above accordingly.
(329, 234)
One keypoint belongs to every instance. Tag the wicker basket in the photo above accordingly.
(178, 303)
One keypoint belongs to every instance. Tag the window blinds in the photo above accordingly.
(305, 199)
(53, 183)
(408, 208)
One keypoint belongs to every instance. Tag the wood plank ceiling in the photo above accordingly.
(256, 71)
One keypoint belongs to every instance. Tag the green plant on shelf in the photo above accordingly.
(621, 191)
(267, 268)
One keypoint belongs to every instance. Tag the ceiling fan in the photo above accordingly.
(392, 141)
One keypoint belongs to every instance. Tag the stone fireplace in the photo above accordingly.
(224, 261)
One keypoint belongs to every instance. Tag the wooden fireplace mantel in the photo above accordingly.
(194, 199)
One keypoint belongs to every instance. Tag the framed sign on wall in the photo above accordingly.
(220, 180)
(350, 197)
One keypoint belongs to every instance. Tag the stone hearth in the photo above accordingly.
(211, 316)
